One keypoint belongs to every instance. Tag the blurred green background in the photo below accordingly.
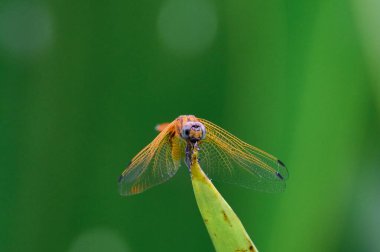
(83, 83)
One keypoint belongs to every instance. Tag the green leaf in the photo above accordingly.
(226, 231)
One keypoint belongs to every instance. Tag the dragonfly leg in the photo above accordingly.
(196, 147)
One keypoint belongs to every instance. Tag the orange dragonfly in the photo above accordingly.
(222, 156)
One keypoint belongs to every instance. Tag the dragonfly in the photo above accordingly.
(222, 156)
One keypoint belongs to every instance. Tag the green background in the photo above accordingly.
(83, 83)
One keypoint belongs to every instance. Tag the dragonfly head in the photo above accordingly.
(193, 131)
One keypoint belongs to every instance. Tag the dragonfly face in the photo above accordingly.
(193, 131)
(223, 157)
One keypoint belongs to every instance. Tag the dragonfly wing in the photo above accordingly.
(153, 165)
(226, 158)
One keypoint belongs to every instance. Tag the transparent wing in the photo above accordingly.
(153, 165)
(226, 158)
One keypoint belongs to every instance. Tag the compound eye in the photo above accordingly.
(186, 131)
